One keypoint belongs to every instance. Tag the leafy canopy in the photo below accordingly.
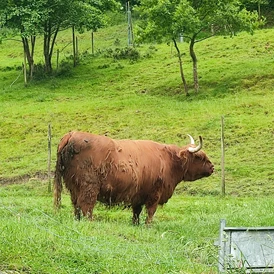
(164, 20)
(28, 17)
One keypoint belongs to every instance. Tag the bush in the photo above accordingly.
(126, 53)
(65, 69)
(129, 53)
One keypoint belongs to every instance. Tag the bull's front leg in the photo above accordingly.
(77, 213)
(137, 209)
(153, 199)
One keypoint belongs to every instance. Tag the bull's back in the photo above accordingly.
(144, 158)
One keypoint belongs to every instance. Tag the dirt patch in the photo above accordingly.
(41, 176)
(9, 272)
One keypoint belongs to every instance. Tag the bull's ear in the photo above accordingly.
(183, 153)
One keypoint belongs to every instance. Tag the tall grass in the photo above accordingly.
(181, 239)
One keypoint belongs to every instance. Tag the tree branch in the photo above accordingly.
(12, 39)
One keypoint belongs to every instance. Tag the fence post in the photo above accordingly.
(92, 43)
(222, 244)
(129, 21)
(49, 158)
(223, 157)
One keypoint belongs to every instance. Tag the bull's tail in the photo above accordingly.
(59, 171)
(57, 182)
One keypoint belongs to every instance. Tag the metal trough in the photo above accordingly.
(246, 249)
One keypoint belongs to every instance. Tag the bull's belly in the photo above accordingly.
(113, 200)
(112, 195)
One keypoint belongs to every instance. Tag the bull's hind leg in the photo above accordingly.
(87, 199)
(77, 210)
(137, 209)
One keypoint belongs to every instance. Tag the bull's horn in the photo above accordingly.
(197, 148)
(192, 142)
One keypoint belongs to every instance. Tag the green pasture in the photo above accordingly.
(181, 239)
(136, 99)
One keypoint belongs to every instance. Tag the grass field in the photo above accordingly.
(144, 100)
(138, 100)
(181, 239)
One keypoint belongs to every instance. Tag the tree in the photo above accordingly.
(47, 17)
(157, 24)
(24, 20)
(255, 4)
(195, 20)
(89, 15)
(79, 15)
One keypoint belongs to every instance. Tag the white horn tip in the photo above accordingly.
(197, 148)
(192, 142)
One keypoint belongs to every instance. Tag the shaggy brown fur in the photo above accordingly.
(123, 171)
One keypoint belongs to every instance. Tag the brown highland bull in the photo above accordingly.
(136, 172)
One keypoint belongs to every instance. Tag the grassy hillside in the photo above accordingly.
(137, 100)
(145, 100)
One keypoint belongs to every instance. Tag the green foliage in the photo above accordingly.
(31, 18)
(195, 21)
(156, 20)
(166, 20)
(123, 53)
(90, 15)
(24, 17)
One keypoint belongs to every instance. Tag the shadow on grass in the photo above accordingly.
(216, 89)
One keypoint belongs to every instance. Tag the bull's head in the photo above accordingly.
(196, 164)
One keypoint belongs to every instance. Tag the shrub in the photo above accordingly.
(129, 53)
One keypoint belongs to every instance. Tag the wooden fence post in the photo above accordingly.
(92, 43)
(49, 158)
(130, 29)
(223, 157)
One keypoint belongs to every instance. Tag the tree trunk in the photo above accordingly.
(74, 47)
(29, 52)
(49, 41)
(259, 9)
(52, 45)
(47, 34)
(181, 67)
(194, 63)
(32, 39)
